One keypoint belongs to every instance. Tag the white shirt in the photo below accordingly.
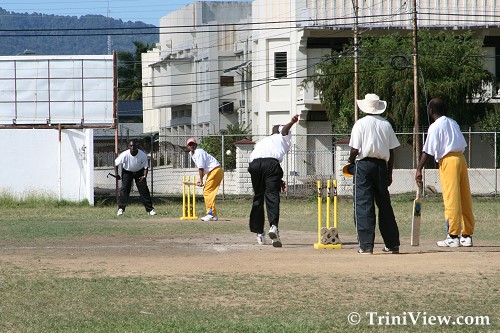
(444, 136)
(132, 163)
(373, 136)
(204, 160)
(273, 146)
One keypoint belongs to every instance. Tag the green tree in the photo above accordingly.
(451, 67)
(213, 144)
(130, 72)
(16, 25)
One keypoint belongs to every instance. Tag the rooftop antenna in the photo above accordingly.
(109, 26)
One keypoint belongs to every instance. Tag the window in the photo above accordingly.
(227, 81)
(280, 65)
(226, 107)
(181, 111)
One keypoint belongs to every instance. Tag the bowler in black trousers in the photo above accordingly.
(267, 174)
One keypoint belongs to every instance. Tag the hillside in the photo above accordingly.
(70, 35)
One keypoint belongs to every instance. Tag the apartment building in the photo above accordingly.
(266, 48)
(194, 80)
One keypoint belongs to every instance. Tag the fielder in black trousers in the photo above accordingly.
(134, 164)
(142, 186)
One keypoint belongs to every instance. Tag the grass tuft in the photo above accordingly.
(32, 200)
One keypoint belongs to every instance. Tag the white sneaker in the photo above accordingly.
(261, 238)
(209, 217)
(361, 251)
(449, 242)
(393, 250)
(466, 241)
(152, 212)
(119, 212)
(274, 234)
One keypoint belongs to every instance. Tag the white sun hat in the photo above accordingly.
(372, 104)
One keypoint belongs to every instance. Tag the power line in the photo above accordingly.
(242, 25)
(460, 18)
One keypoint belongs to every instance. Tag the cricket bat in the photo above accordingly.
(415, 220)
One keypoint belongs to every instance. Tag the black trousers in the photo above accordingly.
(370, 188)
(266, 175)
(142, 186)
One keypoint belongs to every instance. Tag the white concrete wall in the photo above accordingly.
(237, 182)
(34, 162)
(482, 181)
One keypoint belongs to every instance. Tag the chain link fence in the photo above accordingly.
(311, 158)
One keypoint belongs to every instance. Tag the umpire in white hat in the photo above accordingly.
(372, 145)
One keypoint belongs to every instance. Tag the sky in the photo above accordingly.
(147, 11)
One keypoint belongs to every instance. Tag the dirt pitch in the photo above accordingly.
(239, 254)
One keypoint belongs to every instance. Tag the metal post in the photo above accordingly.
(320, 208)
(355, 5)
(422, 190)
(115, 120)
(496, 168)
(469, 161)
(151, 165)
(223, 152)
(416, 126)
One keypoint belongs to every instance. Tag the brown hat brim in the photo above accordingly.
(348, 170)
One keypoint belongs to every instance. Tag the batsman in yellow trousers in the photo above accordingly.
(209, 166)
(446, 143)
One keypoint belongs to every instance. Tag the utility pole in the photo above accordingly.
(355, 5)
(416, 127)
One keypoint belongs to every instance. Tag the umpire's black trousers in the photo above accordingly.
(142, 186)
(266, 175)
(370, 187)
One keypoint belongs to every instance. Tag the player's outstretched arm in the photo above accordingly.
(287, 127)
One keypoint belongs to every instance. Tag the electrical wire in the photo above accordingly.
(243, 29)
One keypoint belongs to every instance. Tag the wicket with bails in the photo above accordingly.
(189, 198)
(328, 238)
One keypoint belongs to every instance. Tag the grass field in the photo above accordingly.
(75, 268)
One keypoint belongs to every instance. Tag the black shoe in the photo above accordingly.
(393, 250)
(368, 251)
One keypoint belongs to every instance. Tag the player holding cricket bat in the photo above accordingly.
(209, 166)
(446, 143)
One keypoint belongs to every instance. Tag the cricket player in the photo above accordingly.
(446, 144)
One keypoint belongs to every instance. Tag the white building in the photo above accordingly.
(183, 88)
(194, 79)
(184, 77)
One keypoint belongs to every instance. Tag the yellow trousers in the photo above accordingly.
(456, 194)
(212, 183)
